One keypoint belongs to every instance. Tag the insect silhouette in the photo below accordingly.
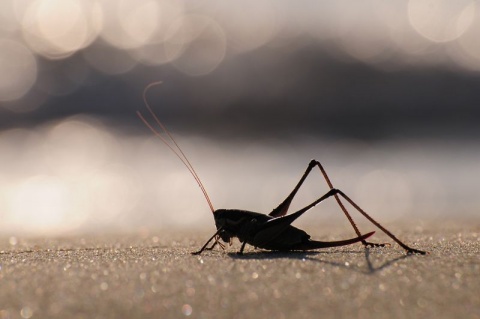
(273, 231)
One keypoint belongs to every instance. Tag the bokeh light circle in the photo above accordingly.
(196, 44)
(129, 24)
(441, 20)
(249, 24)
(58, 28)
(18, 70)
(466, 50)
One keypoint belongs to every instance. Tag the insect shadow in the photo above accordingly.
(273, 231)
(370, 268)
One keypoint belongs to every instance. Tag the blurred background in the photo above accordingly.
(384, 93)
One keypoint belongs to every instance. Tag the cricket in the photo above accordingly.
(273, 231)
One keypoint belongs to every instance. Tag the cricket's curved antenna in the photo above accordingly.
(170, 142)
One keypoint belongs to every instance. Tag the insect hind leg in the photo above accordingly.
(282, 209)
(315, 244)
(314, 163)
(409, 250)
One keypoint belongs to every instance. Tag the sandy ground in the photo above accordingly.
(153, 275)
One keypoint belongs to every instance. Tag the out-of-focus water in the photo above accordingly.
(78, 175)
(372, 70)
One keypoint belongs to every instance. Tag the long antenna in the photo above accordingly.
(175, 148)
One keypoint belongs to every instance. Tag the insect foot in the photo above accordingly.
(372, 245)
(413, 251)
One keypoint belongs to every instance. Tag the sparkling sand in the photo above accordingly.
(153, 275)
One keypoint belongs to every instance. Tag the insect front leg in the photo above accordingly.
(215, 243)
(204, 247)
